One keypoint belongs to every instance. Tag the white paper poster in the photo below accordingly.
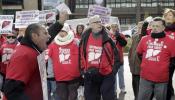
(104, 12)
(25, 18)
(74, 22)
(6, 24)
(63, 7)
(43, 74)
(115, 20)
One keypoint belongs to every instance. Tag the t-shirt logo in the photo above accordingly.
(171, 36)
(94, 54)
(64, 55)
(153, 50)
(7, 53)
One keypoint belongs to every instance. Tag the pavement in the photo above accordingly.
(128, 83)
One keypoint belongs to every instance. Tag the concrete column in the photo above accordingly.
(30, 4)
(138, 11)
(1, 11)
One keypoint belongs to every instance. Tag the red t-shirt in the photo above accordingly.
(156, 54)
(6, 52)
(65, 61)
(96, 56)
(93, 51)
(24, 67)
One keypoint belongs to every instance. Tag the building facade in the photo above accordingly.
(11, 6)
(128, 11)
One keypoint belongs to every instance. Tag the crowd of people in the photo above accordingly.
(86, 63)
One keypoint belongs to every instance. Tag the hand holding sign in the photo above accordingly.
(63, 16)
(62, 7)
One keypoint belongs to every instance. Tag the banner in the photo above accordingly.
(6, 24)
(24, 18)
(47, 16)
(104, 12)
(43, 74)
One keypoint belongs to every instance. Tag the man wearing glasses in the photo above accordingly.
(99, 61)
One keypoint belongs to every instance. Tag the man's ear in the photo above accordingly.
(34, 37)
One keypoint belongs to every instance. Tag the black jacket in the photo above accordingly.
(105, 39)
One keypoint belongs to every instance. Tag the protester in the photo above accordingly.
(6, 51)
(64, 55)
(79, 30)
(23, 80)
(55, 28)
(121, 42)
(169, 16)
(155, 50)
(99, 61)
(134, 61)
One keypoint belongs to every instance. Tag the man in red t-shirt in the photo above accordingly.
(156, 50)
(99, 61)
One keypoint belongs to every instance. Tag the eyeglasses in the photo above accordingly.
(13, 37)
(97, 22)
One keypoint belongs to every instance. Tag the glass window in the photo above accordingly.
(123, 21)
(84, 3)
(12, 2)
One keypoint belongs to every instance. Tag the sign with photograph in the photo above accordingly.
(6, 24)
(47, 16)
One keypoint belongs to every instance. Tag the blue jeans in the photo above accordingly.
(52, 95)
(121, 78)
(147, 88)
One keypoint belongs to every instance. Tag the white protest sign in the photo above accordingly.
(43, 74)
(74, 22)
(51, 4)
(25, 18)
(6, 24)
(47, 16)
(115, 20)
(63, 7)
(104, 12)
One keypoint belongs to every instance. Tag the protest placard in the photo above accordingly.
(115, 20)
(104, 12)
(47, 16)
(51, 4)
(6, 24)
(24, 18)
(63, 7)
(43, 74)
(74, 22)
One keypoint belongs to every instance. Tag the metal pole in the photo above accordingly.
(138, 11)
(1, 11)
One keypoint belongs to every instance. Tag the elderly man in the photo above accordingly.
(99, 61)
